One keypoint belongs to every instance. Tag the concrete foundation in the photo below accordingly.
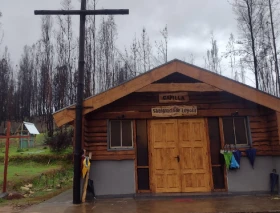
(118, 177)
(248, 179)
(113, 177)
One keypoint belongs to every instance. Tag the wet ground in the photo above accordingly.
(63, 204)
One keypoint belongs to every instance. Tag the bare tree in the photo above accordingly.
(162, 46)
(135, 59)
(92, 34)
(5, 79)
(106, 53)
(232, 54)
(46, 73)
(274, 48)
(66, 60)
(145, 51)
(212, 60)
(190, 58)
(90, 48)
(248, 13)
(25, 83)
(1, 33)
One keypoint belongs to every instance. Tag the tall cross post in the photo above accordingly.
(80, 88)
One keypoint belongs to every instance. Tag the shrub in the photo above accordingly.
(60, 140)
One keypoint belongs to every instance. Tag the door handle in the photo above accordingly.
(178, 158)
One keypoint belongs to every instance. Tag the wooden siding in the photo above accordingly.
(263, 121)
(264, 132)
(138, 105)
(95, 141)
(194, 75)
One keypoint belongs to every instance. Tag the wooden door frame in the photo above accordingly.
(136, 167)
(222, 145)
(151, 180)
(152, 189)
(209, 153)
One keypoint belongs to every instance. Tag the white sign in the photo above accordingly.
(174, 111)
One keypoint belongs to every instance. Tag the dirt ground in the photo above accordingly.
(12, 209)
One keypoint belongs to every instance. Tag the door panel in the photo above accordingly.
(185, 138)
(165, 168)
(193, 150)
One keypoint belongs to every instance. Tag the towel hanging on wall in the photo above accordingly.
(237, 155)
(233, 163)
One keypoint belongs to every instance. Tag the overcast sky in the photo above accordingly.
(189, 22)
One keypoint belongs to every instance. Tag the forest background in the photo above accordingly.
(44, 79)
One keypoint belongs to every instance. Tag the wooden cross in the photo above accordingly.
(7, 137)
(79, 104)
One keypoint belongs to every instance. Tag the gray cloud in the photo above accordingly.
(189, 23)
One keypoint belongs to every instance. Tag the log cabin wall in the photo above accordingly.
(95, 141)
(263, 122)
(273, 133)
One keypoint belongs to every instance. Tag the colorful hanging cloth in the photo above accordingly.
(86, 166)
(233, 163)
(251, 154)
(237, 155)
(227, 157)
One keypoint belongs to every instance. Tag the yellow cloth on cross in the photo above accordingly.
(86, 166)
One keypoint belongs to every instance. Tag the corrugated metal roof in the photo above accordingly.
(31, 128)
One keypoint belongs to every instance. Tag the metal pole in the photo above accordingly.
(6, 156)
(79, 111)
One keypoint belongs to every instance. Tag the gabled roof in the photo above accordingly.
(219, 82)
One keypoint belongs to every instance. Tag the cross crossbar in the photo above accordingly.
(82, 12)
(14, 136)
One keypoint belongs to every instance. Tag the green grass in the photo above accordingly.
(49, 172)
(15, 151)
(44, 179)
(25, 171)
(38, 150)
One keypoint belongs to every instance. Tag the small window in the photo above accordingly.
(236, 131)
(121, 134)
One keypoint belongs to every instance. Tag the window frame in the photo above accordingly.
(247, 131)
(119, 148)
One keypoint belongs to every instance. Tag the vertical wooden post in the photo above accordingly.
(28, 142)
(6, 156)
(21, 134)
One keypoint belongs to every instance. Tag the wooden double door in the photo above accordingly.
(179, 158)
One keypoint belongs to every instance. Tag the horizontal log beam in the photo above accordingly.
(82, 12)
(14, 136)
(179, 87)
(147, 108)
(148, 115)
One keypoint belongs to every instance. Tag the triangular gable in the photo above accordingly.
(67, 115)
